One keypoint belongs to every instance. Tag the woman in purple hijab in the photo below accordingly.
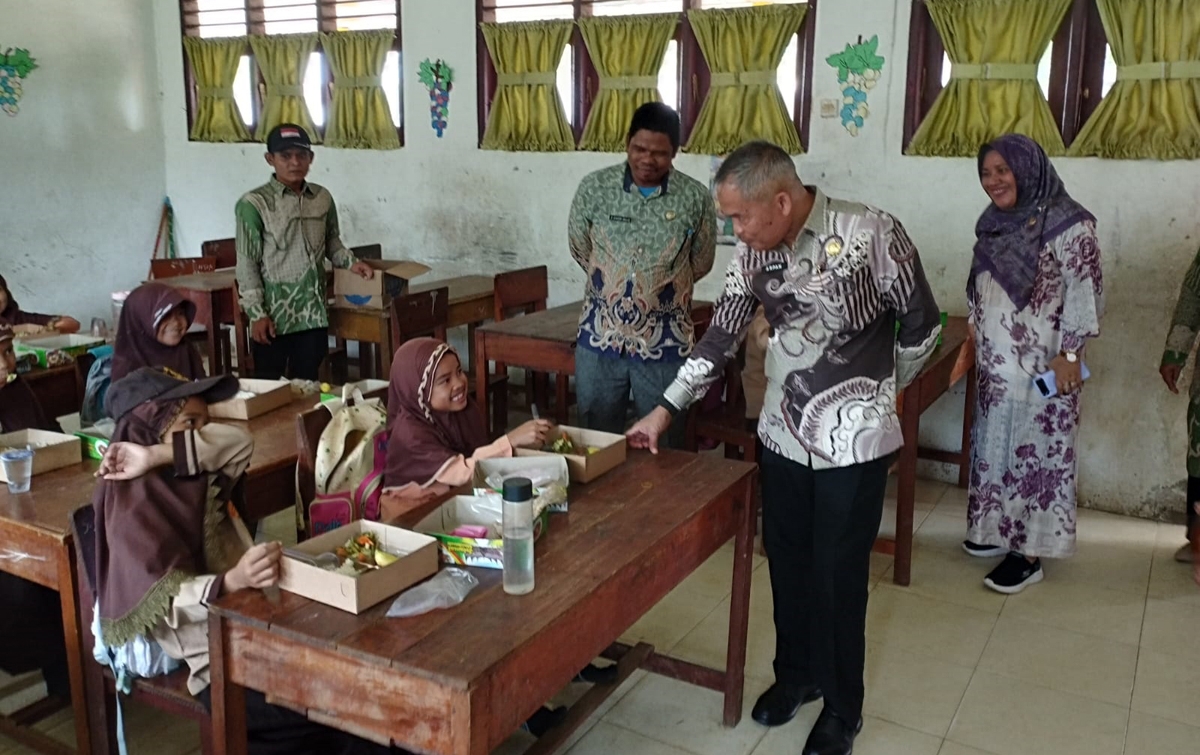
(1036, 296)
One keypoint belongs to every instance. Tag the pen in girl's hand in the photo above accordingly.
(535, 411)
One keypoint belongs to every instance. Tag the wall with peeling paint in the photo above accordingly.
(82, 162)
(463, 210)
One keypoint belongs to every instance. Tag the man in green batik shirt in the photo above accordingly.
(643, 233)
(1185, 326)
(286, 229)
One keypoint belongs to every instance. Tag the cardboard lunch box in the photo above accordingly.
(585, 467)
(50, 450)
(268, 396)
(418, 560)
(484, 552)
(391, 280)
(532, 467)
(56, 350)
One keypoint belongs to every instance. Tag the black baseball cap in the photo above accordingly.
(156, 384)
(288, 136)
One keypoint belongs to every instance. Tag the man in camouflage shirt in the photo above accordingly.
(1181, 339)
(643, 234)
(286, 229)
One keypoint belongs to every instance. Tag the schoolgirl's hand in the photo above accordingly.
(532, 434)
(258, 568)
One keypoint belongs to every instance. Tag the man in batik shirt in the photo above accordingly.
(643, 234)
(834, 277)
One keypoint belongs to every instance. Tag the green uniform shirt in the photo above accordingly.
(283, 239)
(642, 254)
(1185, 326)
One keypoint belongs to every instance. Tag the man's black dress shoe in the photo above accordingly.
(779, 704)
(832, 735)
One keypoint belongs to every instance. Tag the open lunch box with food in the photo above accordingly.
(589, 453)
(548, 473)
(469, 530)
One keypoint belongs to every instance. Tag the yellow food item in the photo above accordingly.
(326, 388)
(383, 558)
(592, 450)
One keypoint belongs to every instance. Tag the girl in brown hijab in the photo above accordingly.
(154, 323)
(31, 623)
(436, 431)
(165, 548)
(11, 313)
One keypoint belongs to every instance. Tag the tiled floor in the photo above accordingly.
(1100, 659)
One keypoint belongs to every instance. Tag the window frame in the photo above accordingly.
(1076, 69)
(256, 25)
(694, 74)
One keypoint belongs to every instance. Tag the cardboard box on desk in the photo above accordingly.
(51, 451)
(585, 467)
(418, 560)
(391, 280)
(486, 552)
(268, 396)
(542, 470)
(55, 351)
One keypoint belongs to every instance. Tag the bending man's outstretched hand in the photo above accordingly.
(646, 432)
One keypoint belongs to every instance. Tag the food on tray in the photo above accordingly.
(11, 377)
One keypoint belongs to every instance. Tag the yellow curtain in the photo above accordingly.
(527, 114)
(743, 47)
(1153, 110)
(994, 48)
(359, 117)
(214, 65)
(282, 59)
(627, 52)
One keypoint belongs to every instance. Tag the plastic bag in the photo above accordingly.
(447, 588)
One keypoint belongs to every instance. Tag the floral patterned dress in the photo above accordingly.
(1023, 452)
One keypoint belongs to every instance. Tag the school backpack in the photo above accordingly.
(98, 379)
(351, 458)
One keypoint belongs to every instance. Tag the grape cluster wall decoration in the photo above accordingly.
(14, 66)
(859, 69)
(438, 78)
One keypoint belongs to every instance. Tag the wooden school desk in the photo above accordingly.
(35, 543)
(459, 681)
(540, 342)
(471, 302)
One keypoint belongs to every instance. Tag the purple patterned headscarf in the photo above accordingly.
(1008, 242)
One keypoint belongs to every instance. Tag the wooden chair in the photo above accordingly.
(224, 251)
(166, 693)
(520, 292)
(181, 266)
(423, 314)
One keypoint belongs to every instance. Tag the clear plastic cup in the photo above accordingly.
(18, 468)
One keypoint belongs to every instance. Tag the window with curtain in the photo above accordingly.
(683, 77)
(1074, 74)
(211, 19)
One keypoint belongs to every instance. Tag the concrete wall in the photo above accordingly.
(82, 162)
(464, 210)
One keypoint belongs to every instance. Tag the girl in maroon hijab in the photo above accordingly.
(436, 431)
(154, 323)
(31, 623)
(165, 547)
(10, 312)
